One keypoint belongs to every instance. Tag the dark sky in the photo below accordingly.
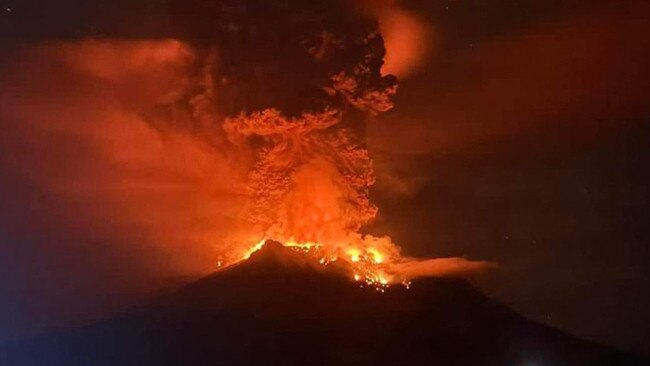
(523, 140)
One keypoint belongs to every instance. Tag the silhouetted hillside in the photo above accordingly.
(276, 310)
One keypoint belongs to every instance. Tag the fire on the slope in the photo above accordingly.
(370, 266)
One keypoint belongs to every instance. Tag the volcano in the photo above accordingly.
(277, 309)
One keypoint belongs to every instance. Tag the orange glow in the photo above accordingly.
(353, 253)
(377, 257)
(408, 41)
(89, 119)
(362, 264)
(367, 265)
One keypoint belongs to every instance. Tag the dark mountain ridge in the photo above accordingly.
(276, 309)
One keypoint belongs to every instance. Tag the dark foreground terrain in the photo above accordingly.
(273, 310)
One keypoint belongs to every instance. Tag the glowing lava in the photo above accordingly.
(366, 265)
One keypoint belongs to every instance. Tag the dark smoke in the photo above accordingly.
(271, 54)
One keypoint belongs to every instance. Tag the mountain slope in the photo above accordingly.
(275, 309)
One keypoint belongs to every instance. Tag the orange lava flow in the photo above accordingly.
(366, 265)
(375, 266)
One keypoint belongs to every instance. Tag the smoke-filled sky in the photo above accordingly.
(519, 135)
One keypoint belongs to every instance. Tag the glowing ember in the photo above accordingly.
(365, 265)
(374, 267)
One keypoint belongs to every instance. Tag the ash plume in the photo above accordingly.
(294, 85)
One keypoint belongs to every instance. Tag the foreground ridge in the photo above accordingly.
(275, 309)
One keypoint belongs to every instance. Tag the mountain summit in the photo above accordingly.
(277, 309)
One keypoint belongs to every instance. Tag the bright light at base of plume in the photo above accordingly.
(367, 265)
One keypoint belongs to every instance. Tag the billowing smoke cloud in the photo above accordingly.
(295, 99)
(311, 173)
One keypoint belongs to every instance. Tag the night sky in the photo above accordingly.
(522, 139)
